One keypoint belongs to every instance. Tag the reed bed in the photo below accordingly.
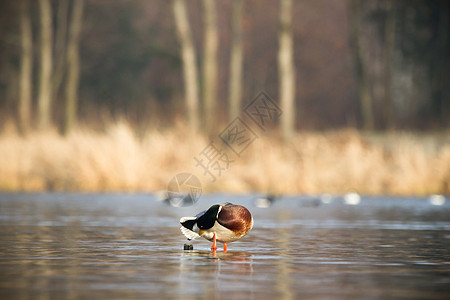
(118, 159)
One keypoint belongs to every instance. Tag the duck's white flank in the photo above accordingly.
(223, 234)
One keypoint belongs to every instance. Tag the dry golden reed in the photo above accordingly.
(118, 159)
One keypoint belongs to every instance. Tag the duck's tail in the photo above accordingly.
(189, 227)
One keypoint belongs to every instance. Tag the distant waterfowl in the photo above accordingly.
(175, 200)
(265, 201)
(326, 198)
(223, 223)
(352, 199)
(437, 200)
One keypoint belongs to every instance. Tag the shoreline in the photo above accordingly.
(119, 160)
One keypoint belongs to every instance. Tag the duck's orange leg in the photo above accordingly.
(224, 247)
(214, 245)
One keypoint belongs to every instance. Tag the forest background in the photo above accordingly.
(122, 95)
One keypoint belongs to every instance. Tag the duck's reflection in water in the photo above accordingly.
(217, 271)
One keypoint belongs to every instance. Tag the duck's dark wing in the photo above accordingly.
(207, 219)
(190, 226)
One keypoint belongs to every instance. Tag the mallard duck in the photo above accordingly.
(224, 223)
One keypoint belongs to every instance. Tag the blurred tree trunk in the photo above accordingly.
(389, 46)
(189, 62)
(26, 63)
(236, 60)
(73, 66)
(286, 70)
(210, 64)
(60, 45)
(365, 96)
(45, 84)
(440, 63)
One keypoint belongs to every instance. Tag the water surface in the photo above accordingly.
(129, 246)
